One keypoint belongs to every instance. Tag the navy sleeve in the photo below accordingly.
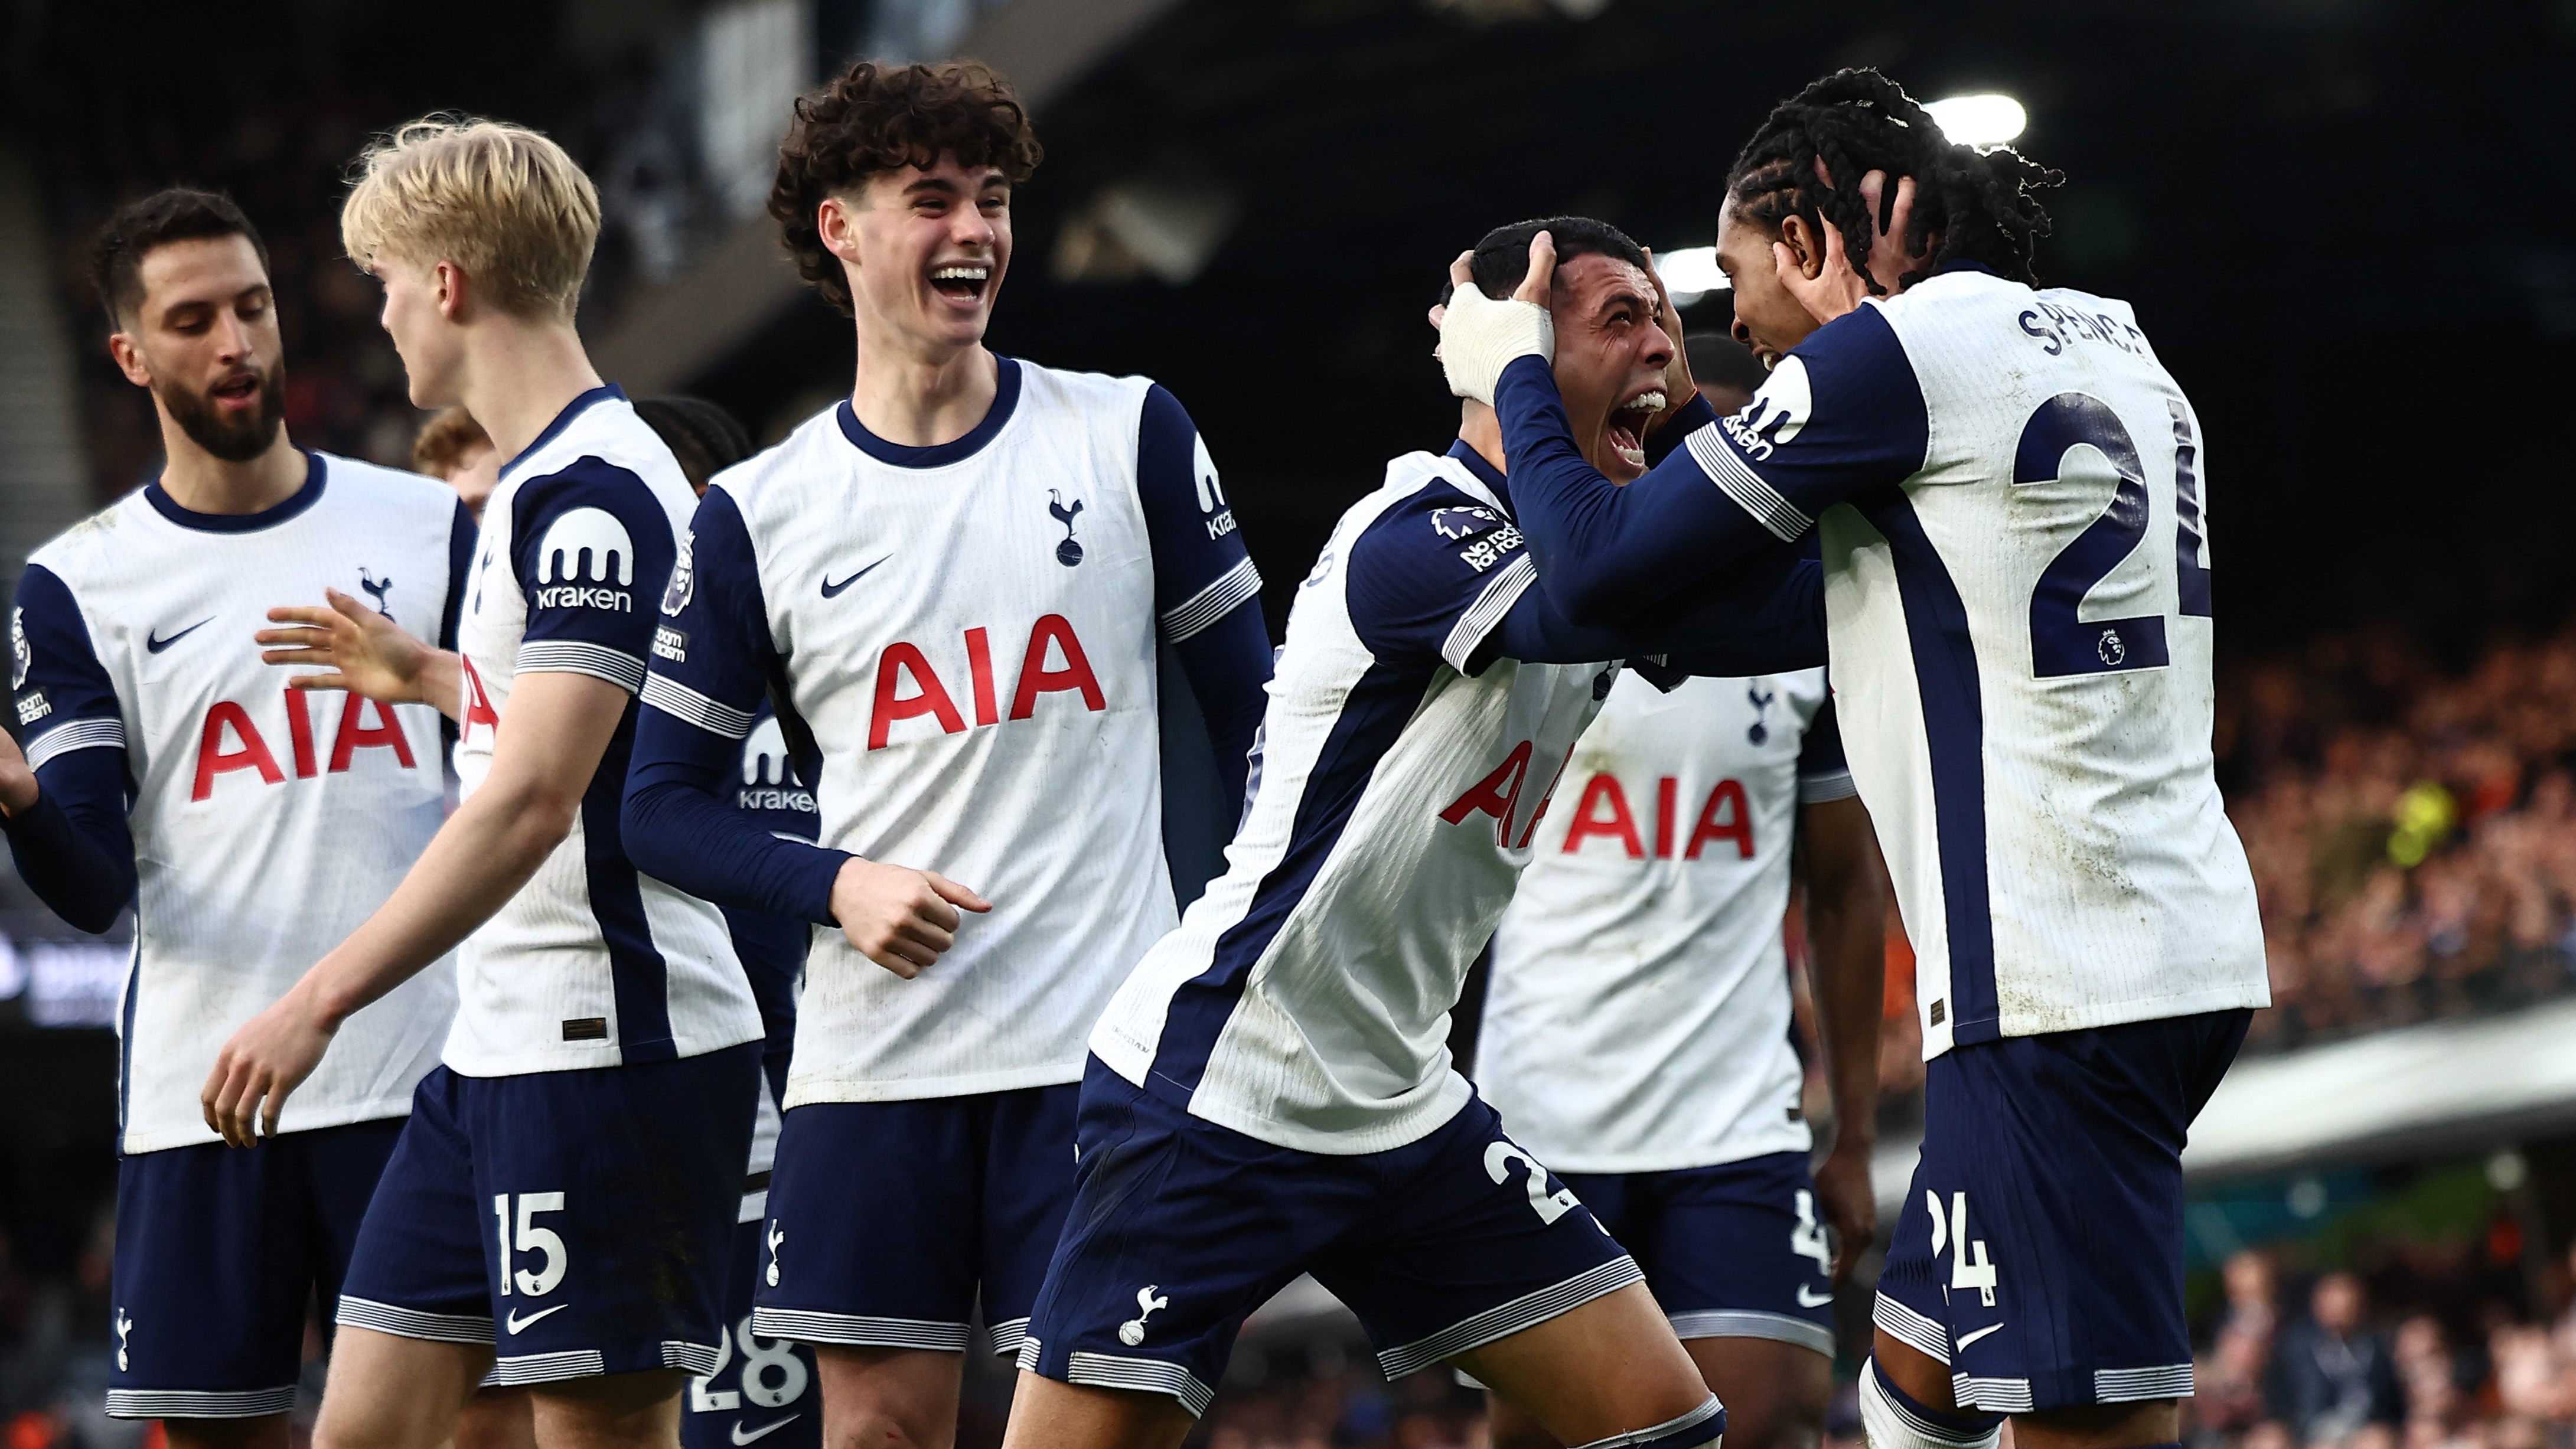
(1842, 414)
(711, 660)
(1694, 415)
(1823, 773)
(1433, 577)
(592, 548)
(74, 849)
(461, 533)
(1205, 588)
(1766, 618)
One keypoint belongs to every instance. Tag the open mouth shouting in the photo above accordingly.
(962, 283)
(1625, 431)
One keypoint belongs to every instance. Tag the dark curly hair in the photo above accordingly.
(1858, 121)
(873, 118)
(1501, 258)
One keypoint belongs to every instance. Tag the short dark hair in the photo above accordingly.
(141, 227)
(704, 437)
(1857, 121)
(873, 118)
(1717, 360)
(1502, 258)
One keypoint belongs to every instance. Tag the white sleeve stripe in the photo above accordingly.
(1212, 603)
(1738, 481)
(79, 734)
(680, 702)
(1484, 615)
(1828, 785)
(575, 656)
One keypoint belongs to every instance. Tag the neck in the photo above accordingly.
(1479, 429)
(918, 398)
(519, 376)
(203, 483)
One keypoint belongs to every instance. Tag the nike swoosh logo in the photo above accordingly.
(1819, 1301)
(156, 643)
(832, 590)
(1960, 1344)
(740, 1437)
(517, 1323)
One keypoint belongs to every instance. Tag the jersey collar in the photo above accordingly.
(1006, 398)
(1486, 473)
(269, 517)
(563, 420)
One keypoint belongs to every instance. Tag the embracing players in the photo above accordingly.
(2008, 488)
(166, 765)
(953, 583)
(1270, 1092)
(1636, 1028)
(558, 1210)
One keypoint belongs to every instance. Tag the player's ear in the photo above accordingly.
(835, 228)
(1804, 244)
(129, 358)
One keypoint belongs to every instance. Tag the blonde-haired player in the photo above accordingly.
(557, 1212)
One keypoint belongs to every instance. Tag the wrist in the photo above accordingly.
(318, 1003)
(17, 799)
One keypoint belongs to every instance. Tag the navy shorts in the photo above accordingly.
(218, 1251)
(1181, 1228)
(763, 1389)
(2040, 1250)
(578, 1221)
(887, 1218)
(1732, 1251)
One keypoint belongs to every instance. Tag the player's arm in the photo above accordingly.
(1206, 591)
(62, 800)
(1845, 418)
(709, 671)
(1765, 618)
(1847, 936)
(365, 653)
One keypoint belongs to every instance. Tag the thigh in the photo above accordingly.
(418, 1269)
(763, 1390)
(1738, 1251)
(387, 1391)
(1775, 1391)
(1028, 1186)
(2039, 1254)
(1607, 1368)
(853, 1177)
(1178, 1230)
(1467, 1239)
(209, 1283)
(609, 1198)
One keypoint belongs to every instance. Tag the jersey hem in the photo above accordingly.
(1631, 1164)
(1403, 1130)
(589, 1060)
(132, 1143)
(2232, 997)
(841, 1089)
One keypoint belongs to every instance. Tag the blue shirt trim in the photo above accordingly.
(563, 420)
(269, 517)
(1006, 398)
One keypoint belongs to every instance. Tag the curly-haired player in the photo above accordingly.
(970, 587)
(2008, 489)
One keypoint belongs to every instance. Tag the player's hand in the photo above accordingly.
(17, 782)
(1479, 336)
(1851, 1207)
(1679, 386)
(359, 650)
(899, 917)
(269, 1057)
(1837, 287)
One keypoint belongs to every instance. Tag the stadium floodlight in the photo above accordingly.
(1984, 122)
(1690, 273)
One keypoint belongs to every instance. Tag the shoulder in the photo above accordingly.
(769, 477)
(1425, 530)
(1084, 391)
(377, 486)
(91, 548)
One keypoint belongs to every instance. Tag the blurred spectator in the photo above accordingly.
(454, 447)
(2230, 1377)
(2334, 1377)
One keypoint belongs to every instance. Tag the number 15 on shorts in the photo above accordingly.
(521, 1232)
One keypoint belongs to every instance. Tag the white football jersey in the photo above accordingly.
(2013, 521)
(1304, 999)
(592, 963)
(969, 632)
(1637, 1016)
(268, 823)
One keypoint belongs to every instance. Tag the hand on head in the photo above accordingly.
(1836, 287)
(1479, 336)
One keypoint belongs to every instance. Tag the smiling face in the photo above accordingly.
(1610, 359)
(204, 339)
(1767, 319)
(924, 249)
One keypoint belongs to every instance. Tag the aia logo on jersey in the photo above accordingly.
(1498, 796)
(229, 740)
(1603, 811)
(478, 703)
(586, 561)
(1777, 413)
(904, 666)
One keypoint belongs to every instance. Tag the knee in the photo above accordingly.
(882, 1426)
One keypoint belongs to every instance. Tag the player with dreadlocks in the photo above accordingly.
(2006, 487)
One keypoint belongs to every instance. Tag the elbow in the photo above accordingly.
(98, 918)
